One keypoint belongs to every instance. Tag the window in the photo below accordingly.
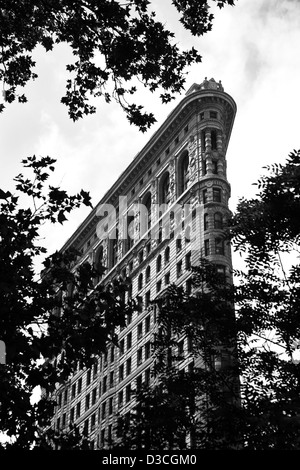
(215, 167)
(59, 400)
(121, 350)
(103, 410)
(78, 406)
(111, 379)
(213, 114)
(147, 299)
(213, 140)
(141, 256)
(105, 384)
(201, 116)
(188, 234)
(216, 194)
(113, 251)
(147, 350)
(148, 273)
(147, 324)
(93, 421)
(95, 370)
(204, 196)
(206, 247)
(140, 331)
(99, 264)
(58, 423)
(158, 286)
(112, 354)
(87, 402)
(128, 366)
(129, 341)
(72, 414)
(88, 377)
(148, 248)
(167, 278)
(79, 386)
(178, 245)
(120, 399)
(186, 129)
(165, 189)
(219, 246)
(179, 268)
(94, 396)
(188, 287)
(110, 405)
(183, 172)
(218, 220)
(140, 282)
(64, 419)
(206, 218)
(181, 348)
(204, 167)
(167, 255)
(66, 396)
(73, 391)
(147, 376)
(139, 382)
(121, 372)
(139, 356)
(128, 393)
(102, 442)
(188, 261)
(158, 264)
(129, 242)
(176, 140)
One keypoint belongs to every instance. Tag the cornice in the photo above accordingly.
(189, 105)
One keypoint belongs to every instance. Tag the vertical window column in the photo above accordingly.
(207, 139)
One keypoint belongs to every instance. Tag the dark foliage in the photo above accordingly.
(116, 45)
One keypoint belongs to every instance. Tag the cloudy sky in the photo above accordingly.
(253, 48)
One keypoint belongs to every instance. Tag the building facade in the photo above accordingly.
(167, 210)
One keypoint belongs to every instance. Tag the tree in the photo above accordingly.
(266, 230)
(115, 46)
(49, 322)
(193, 400)
(259, 343)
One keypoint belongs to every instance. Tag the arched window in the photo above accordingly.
(165, 188)
(183, 172)
(218, 220)
(129, 242)
(140, 281)
(158, 263)
(167, 255)
(206, 221)
(145, 213)
(148, 273)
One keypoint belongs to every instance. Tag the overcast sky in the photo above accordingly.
(253, 48)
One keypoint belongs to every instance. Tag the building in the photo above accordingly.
(179, 176)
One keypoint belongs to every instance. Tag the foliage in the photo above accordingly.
(61, 315)
(260, 345)
(115, 44)
(195, 390)
(266, 230)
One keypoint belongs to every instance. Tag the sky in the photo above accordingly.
(253, 48)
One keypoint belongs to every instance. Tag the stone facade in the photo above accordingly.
(182, 165)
